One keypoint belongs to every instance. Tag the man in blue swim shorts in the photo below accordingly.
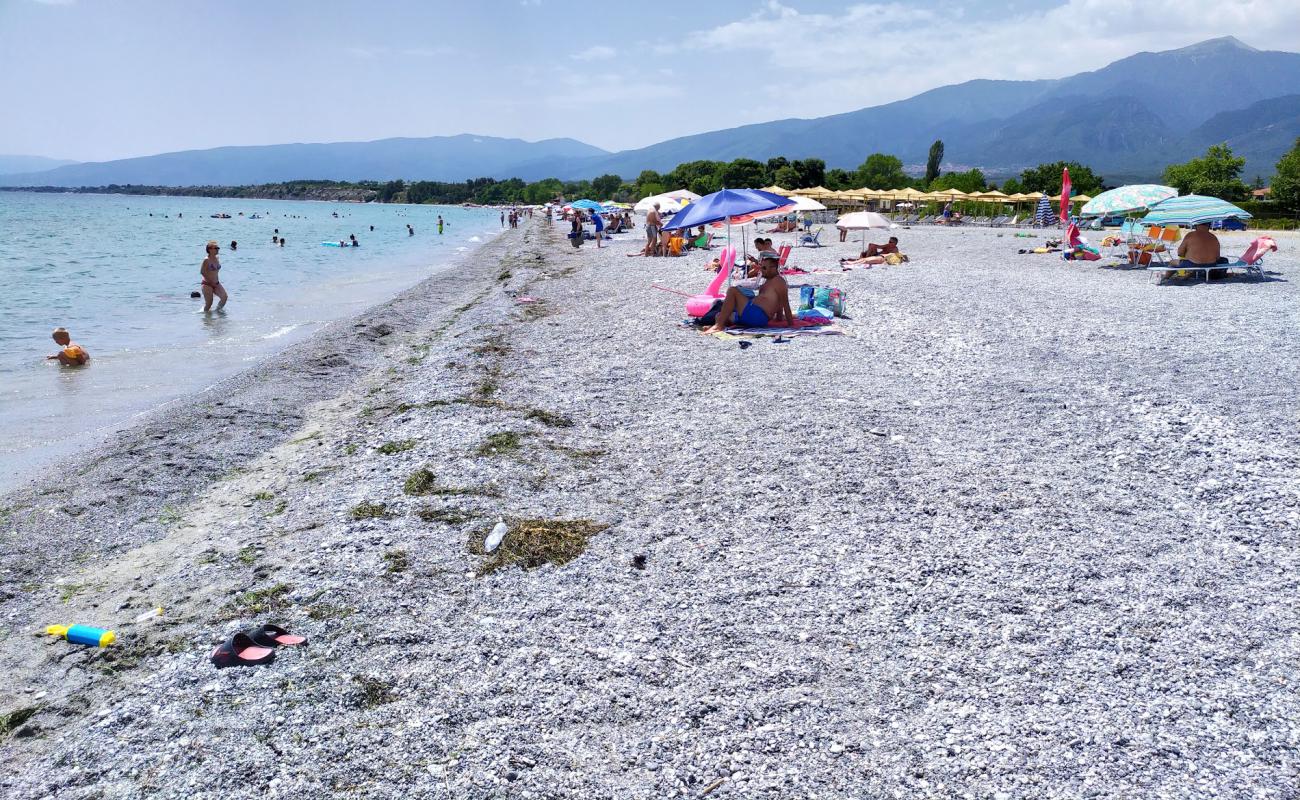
(771, 306)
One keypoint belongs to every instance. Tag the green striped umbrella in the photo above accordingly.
(1126, 199)
(1192, 209)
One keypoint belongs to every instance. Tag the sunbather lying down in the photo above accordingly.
(771, 306)
(874, 258)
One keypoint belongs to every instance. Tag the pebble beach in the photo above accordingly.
(1026, 528)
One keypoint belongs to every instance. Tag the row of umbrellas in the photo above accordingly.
(1163, 206)
(914, 195)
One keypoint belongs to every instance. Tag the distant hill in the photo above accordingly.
(10, 164)
(1134, 115)
(1128, 119)
(446, 158)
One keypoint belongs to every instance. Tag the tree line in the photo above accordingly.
(1217, 173)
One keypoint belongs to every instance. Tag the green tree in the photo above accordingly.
(605, 186)
(390, 190)
(744, 173)
(1285, 189)
(881, 171)
(1216, 174)
(774, 164)
(932, 163)
(543, 191)
(839, 179)
(812, 172)
(1013, 186)
(787, 177)
(968, 181)
(1046, 178)
(701, 177)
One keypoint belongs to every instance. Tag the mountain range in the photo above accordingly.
(1128, 119)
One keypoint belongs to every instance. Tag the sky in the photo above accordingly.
(94, 80)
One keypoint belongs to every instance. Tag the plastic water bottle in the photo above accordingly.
(83, 634)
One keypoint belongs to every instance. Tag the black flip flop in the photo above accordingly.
(241, 651)
(270, 635)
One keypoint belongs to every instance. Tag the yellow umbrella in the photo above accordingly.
(774, 189)
(816, 192)
(1080, 198)
(994, 195)
(953, 194)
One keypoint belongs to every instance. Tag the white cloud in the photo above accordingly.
(598, 52)
(877, 52)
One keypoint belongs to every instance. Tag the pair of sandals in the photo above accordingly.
(255, 647)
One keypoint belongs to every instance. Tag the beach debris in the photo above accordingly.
(148, 615)
(83, 634)
(420, 482)
(531, 543)
(12, 722)
(493, 540)
(526, 300)
(639, 561)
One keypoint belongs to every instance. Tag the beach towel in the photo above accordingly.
(801, 328)
(1258, 248)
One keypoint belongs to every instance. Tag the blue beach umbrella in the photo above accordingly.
(1192, 209)
(587, 205)
(1043, 215)
(728, 205)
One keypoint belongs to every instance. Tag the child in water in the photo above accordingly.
(71, 354)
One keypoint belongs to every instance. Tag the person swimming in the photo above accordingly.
(353, 237)
(211, 284)
(71, 354)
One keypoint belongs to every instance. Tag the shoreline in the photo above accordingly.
(1013, 519)
(280, 297)
(324, 354)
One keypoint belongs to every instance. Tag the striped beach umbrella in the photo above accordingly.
(1043, 214)
(1127, 199)
(1192, 209)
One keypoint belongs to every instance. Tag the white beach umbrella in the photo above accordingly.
(667, 205)
(863, 221)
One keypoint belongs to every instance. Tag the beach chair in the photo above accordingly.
(811, 240)
(1253, 259)
(911, 219)
(784, 252)
(702, 242)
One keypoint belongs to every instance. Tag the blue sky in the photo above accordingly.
(100, 79)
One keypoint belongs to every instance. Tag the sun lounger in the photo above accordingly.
(1252, 261)
(811, 240)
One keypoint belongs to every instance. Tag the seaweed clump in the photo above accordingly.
(530, 543)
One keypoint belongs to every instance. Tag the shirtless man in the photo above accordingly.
(70, 353)
(1199, 248)
(211, 283)
(770, 307)
(874, 249)
(653, 222)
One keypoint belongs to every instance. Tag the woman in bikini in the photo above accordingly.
(211, 283)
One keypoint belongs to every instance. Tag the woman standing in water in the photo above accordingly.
(211, 283)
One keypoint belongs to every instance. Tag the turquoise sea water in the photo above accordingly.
(117, 271)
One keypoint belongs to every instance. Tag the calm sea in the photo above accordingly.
(118, 271)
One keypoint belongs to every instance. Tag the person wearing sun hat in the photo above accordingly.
(771, 306)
